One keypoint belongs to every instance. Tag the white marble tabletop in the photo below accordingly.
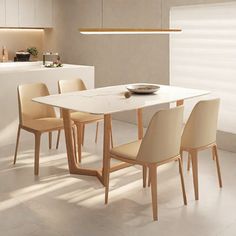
(110, 100)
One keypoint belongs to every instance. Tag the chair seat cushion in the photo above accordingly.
(85, 117)
(129, 150)
(45, 124)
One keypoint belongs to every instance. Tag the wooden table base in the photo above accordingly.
(74, 167)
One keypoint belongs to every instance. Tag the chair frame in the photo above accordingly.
(153, 178)
(193, 139)
(193, 158)
(37, 135)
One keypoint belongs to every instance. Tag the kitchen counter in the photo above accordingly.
(14, 73)
(6, 67)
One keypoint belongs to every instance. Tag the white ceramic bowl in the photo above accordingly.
(143, 88)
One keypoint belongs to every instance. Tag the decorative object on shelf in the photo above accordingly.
(22, 56)
(33, 51)
(52, 65)
(4, 54)
(51, 54)
(55, 63)
(103, 31)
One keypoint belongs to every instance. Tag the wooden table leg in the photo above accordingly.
(79, 128)
(69, 141)
(140, 136)
(140, 123)
(50, 140)
(106, 147)
(180, 103)
(73, 166)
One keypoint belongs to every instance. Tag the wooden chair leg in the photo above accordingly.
(217, 165)
(144, 176)
(112, 145)
(82, 133)
(107, 181)
(74, 139)
(58, 138)
(96, 136)
(213, 153)
(194, 159)
(17, 143)
(149, 178)
(79, 141)
(153, 171)
(182, 181)
(181, 156)
(50, 140)
(36, 153)
(189, 161)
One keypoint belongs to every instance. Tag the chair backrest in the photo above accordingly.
(30, 110)
(200, 129)
(163, 136)
(72, 85)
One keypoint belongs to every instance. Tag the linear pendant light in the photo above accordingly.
(99, 31)
(106, 31)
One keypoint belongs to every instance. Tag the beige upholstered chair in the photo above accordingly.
(160, 145)
(199, 134)
(80, 118)
(35, 118)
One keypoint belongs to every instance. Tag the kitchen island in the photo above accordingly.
(14, 73)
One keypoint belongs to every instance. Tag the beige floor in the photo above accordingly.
(57, 203)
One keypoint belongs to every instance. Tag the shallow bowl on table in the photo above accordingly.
(143, 88)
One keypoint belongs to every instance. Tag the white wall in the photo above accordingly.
(119, 59)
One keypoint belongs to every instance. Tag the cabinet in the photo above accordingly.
(44, 13)
(2, 13)
(27, 13)
(12, 13)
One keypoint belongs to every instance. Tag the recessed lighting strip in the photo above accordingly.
(106, 31)
(22, 29)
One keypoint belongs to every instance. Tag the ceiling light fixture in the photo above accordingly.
(22, 29)
(99, 31)
(106, 31)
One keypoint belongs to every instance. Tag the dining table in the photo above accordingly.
(107, 101)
